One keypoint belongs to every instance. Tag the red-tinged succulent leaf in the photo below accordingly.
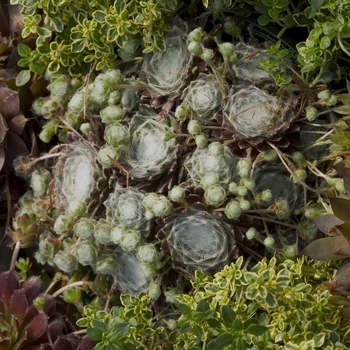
(55, 326)
(32, 312)
(341, 208)
(36, 328)
(342, 277)
(345, 229)
(344, 251)
(9, 106)
(18, 305)
(17, 123)
(86, 343)
(62, 344)
(326, 222)
(325, 248)
(9, 283)
(5, 344)
(2, 157)
(50, 305)
(32, 288)
(3, 129)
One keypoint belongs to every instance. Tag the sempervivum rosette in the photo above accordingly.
(204, 95)
(165, 71)
(199, 240)
(77, 176)
(149, 153)
(124, 208)
(215, 161)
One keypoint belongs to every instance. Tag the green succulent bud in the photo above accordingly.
(85, 128)
(66, 262)
(245, 204)
(252, 233)
(226, 49)
(194, 48)
(172, 324)
(85, 228)
(196, 35)
(39, 182)
(232, 187)
(266, 196)
(102, 232)
(130, 100)
(181, 112)
(162, 206)
(177, 194)
(63, 224)
(114, 77)
(338, 184)
(290, 251)
(269, 242)
(248, 183)
(308, 231)
(115, 97)
(147, 254)
(209, 180)
(168, 135)
(38, 104)
(112, 114)
(49, 130)
(216, 148)
(299, 159)
(231, 27)
(149, 215)
(201, 141)
(242, 191)
(117, 233)
(207, 55)
(117, 135)
(104, 153)
(194, 127)
(130, 240)
(311, 113)
(299, 175)
(39, 303)
(244, 167)
(324, 95)
(282, 208)
(332, 100)
(270, 156)
(60, 87)
(149, 200)
(72, 296)
(154, 291)
(233, 58)
(312, 213)
(76, 103)
(86, 253)
(233, 210)
(215, 195)
(77, 208)
(106, 265)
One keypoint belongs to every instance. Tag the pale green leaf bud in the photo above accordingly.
(282, 208)
(196, 35)
(147, 254)
(102, 232)
(207, 55)
(312, 213)
(324, 95)
(112, 114)
(290, 251)
(117, 135)
(86, 253)
(232, 187)
(149, 215)
(245, 204)
(77, 208)
(66, 262)
(338, 184)
(103, 154)
(38, 104)
(49, 130)
(244, 167)
(201, 141)
(216, 148)
(149, 200)
(115, 97)
(168, 135)
(210, 180)
(231, 27)
(248, 183)
(233, 210)
(194, 127)
(39, 182)
(242, 191)
(130, 100)
(299, 159)
(252, 233)
(85, 228)
(181, 112)
(106, 265)
(311, 113)
(72, 295)
(270, 156)
(39, 303)
(215, 195)
(85, 128)
(226, 49)
(63, 224)
(114, 76)
(332, 100)
(233, 58)
(154, 291)
(177, 194)
(162, 206)
(116, 234)
(130, 240)
(269, 242)
(194, 48)
(299, 175)
(308, 231)
(266, 196)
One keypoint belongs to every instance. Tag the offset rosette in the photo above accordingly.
(124, 207)
(200, 241)
(204, 96)
(78, 178)
(149, 154)
(215, 161)
(166, 71)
